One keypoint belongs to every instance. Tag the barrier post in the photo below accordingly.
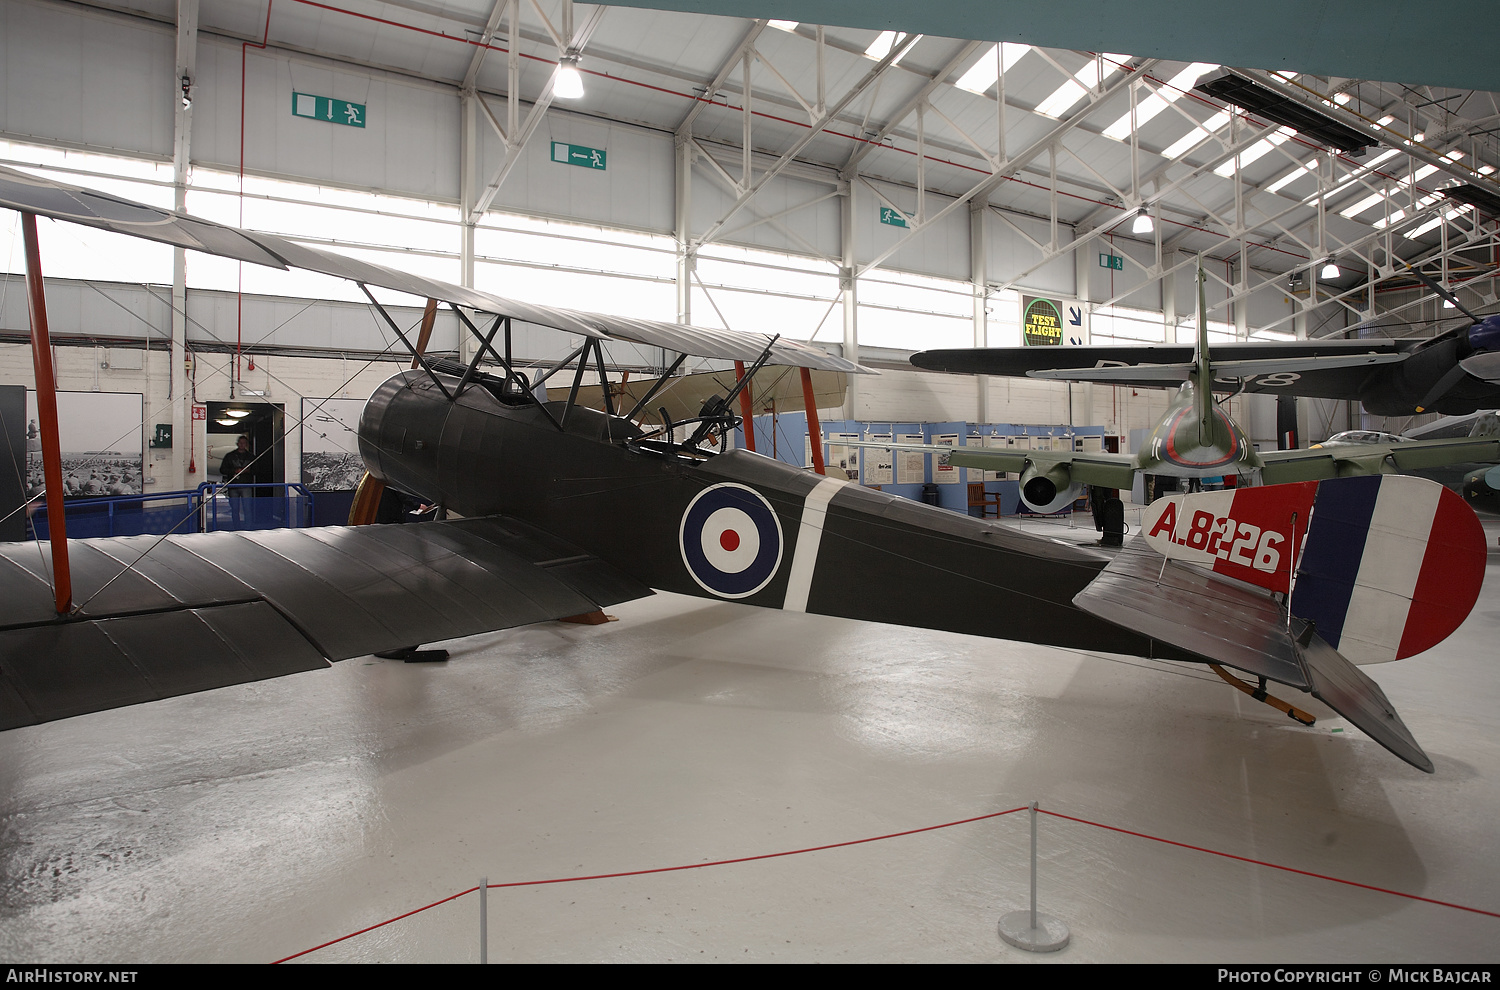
(484, 928)
(1031, 930)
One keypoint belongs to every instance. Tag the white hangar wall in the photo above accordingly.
(101, 82)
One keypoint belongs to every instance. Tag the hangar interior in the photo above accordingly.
(874, 192)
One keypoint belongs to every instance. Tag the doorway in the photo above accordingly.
(263, 422)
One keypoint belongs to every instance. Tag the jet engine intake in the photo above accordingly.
(1048, 490)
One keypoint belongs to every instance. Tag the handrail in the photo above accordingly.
(197, 510)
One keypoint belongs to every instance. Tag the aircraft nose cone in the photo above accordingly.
(1485, 335)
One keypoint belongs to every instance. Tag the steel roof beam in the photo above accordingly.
(897, 50)
(747, 41)
(520, 135)
(861, 151)
(1010, 167)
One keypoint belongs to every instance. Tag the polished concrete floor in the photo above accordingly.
(253, 822)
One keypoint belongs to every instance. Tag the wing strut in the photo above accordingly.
(416, 352)
(46, 403)
(747, 408)
(367, 494)
(486, 344)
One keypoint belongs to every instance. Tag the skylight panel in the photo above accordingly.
(1256, 150)
(1432, 224)
(1197, 134)
(983, 74)
(1311, 165)
(1362, 205)
(1085, 79)
(783, 25)
(1154, 104)
(882, 45)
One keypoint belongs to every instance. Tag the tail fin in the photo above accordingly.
(1205, 396)
(1384, 566)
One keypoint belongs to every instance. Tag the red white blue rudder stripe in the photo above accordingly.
(1387, 566)
(730, 540)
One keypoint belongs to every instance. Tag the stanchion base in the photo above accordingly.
(1049, 935)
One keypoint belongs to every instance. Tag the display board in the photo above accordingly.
(911, 465)
(99, 434)
(945, 474)
(879, 462)
(330, 444)
(843, 460)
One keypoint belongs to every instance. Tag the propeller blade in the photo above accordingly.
(1454, 375)
(1437, 287)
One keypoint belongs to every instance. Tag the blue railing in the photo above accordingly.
(204, 509)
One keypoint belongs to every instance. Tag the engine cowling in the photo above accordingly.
(1048, 489)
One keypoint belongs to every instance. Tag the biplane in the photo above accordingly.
(568, 509)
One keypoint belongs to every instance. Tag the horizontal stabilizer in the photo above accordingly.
(1245, 628)
(205, 610)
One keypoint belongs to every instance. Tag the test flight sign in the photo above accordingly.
(1047, 322)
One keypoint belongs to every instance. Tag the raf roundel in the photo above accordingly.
(730, 540)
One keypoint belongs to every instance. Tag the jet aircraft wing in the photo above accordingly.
(206, 610)
(1334, 369)
(1347, 459)
(76, 204)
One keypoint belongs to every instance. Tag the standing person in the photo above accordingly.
(236, 463)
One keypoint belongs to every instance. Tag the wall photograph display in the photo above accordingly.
(99, 434)
(330, 444)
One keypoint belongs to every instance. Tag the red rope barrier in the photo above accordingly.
(894, 835)
(379, 924)
(1274, 866)
(659, 869)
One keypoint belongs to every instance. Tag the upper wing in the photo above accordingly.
(1322, 368)
(61, 201)
(1346, 459)
(205, 610)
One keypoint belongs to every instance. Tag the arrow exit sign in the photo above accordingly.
(1112, 261)
(892, 217)
(577, 154)
(327, 109)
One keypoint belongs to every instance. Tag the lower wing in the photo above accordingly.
(206, 610)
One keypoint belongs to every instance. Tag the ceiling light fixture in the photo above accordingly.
(226, 421)
(1330, 270)
(1142, 224)
(567, 84)
(1447, 303)
(237, 413)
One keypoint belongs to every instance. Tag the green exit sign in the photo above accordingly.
(1112, 261)
(577, 154)
(892, 217)
(327, 109)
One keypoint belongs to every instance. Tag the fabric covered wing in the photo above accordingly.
(75, 204)
(205, 610)
(1245, 628)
